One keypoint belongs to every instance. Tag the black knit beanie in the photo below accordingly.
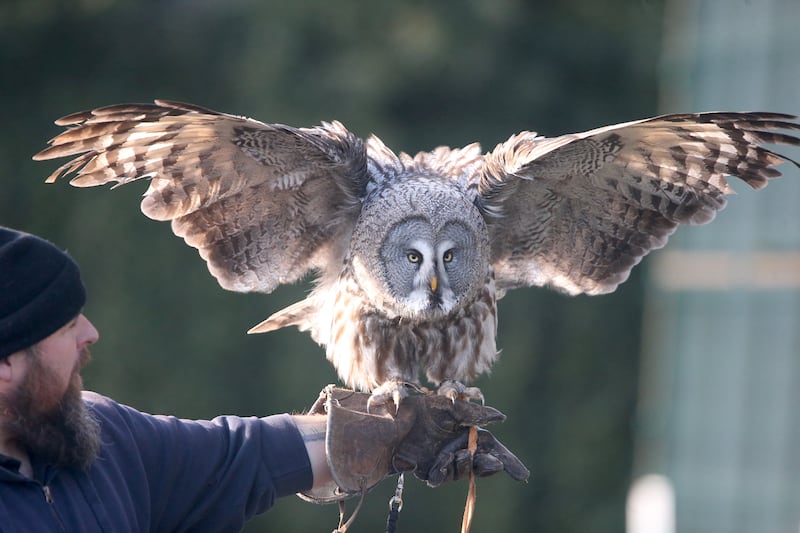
(40, 290)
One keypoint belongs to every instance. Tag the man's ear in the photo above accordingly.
(5, 369)
(11, 366)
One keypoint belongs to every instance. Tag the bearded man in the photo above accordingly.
(73, 460)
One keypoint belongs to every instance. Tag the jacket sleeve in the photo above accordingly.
(203, 475)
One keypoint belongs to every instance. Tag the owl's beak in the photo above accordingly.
(434, 283)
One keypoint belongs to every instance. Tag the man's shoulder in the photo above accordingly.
(108, 410)
(91, 396)
(97, 401)
(127, 428)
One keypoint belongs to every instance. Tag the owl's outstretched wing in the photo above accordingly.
(577, 212)
(263, 203)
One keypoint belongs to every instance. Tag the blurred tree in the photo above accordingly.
(417, 73)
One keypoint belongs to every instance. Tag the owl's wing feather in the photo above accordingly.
(263, 203)
(577, 212)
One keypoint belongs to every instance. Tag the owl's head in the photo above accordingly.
(420, 250)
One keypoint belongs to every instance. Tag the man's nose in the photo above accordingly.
(89, 334)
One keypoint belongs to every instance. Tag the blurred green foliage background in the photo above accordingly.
(418, 74)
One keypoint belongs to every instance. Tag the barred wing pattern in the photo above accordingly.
(263, 203)
(578, 212)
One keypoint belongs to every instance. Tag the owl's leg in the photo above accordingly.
(393, 390)
(456, 390)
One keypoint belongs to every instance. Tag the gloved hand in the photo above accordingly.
(427, 436)
(453, 460)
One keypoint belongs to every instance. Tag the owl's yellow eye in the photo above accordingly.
(448, 256)
(413, 257)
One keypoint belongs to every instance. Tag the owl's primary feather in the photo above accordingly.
(412, 252)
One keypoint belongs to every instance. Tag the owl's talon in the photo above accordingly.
(396, 399)
(455, 390)
(390, 391)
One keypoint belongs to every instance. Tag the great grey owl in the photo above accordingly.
(411, 253)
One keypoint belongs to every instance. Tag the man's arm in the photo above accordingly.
(175, 474)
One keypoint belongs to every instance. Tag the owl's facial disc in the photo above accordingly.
(428, 270)
(431, 294)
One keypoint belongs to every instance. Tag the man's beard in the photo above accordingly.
(61, 431)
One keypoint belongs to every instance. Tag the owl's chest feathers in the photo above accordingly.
(368, 348)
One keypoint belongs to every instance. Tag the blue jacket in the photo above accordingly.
(160, 473)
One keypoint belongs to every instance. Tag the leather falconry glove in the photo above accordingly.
(427, 436)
